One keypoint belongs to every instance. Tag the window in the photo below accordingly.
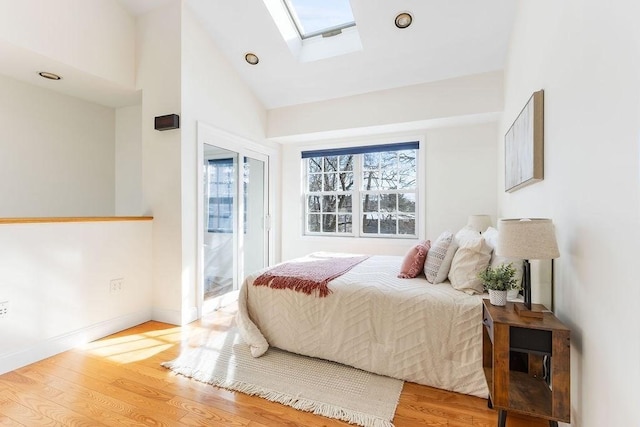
(221, 192)
(315, 17)
(362, 191)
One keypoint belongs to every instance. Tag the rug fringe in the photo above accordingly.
(307, 405)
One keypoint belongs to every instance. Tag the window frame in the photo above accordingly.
(292, 11)
(357, 191)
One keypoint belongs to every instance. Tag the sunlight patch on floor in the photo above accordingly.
(135, 347)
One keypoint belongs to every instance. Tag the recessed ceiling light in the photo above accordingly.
(403, 20)
(48, 75)
(251, 58)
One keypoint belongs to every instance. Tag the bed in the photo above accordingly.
(373, 320)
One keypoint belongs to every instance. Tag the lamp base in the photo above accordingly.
(523, 311)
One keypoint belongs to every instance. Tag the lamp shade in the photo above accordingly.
(479, 223)
(527, 238)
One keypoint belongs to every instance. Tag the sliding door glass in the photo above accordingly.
(235, 237)
(220, 231)
(254, 242)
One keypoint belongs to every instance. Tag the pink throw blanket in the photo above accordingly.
(308, 276)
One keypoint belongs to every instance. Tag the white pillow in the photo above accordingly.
(471, 258)
(439, 257)
(491, 236)
(465, 234)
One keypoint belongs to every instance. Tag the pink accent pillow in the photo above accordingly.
(413, 262)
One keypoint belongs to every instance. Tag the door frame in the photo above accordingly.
(207, 134)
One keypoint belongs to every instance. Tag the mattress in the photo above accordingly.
(403, 328)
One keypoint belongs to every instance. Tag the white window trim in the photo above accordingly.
(421, 211)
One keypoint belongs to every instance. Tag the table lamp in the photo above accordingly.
(479, 223)
(527, 238)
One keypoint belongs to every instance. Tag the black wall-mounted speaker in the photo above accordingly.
(171, 121)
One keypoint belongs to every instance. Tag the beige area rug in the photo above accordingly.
(308, 384)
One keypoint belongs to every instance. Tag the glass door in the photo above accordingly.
(235, 226)
(254, 243)
(220, 217)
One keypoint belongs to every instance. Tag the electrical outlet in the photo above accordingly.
(116, 285)
(4, 309)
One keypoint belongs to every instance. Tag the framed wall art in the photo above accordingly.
(524, 146)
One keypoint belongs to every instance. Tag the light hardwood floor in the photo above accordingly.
(118, 380)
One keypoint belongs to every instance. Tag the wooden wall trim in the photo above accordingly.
(74, 219)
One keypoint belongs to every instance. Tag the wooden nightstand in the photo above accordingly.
(526, 364)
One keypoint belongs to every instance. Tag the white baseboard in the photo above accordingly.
(52, 346)
(172, 317)
(192, 315)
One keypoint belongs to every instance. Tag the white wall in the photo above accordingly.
(56, 278)
(460, 180)
(128, 161)
(459, 97)
(56, 154)
(158, 75)
(462, 171)
(585, 54)
(212, 91)
(96, 37)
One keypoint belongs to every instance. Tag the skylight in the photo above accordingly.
(316, 17)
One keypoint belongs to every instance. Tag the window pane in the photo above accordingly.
(345, 223)
(388, 224)
(315, 164)
(331, 164)
(329, 223)
(221, 189)
(346, 181)
(345, 203)
(388, 203)
(370, 223)
(317, 16)
(370, 203)
(328, 203)
(407, 202)
(330, 181)
(315, 182)
(371, 160)
(389, 160)
(389, 178)
(407, 169)
(370, 180)
(346, 163)
(407, 224)
(314, 223)
(313, 204)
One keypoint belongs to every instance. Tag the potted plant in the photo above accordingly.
(498, 281)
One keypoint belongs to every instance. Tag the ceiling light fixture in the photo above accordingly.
(48, 75)
(251, 58)
(403, 20)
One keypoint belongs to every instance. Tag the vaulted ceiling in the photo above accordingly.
(448, 38)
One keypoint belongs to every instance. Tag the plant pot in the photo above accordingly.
(512, 294)
(498, 297)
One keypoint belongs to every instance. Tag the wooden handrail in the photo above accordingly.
(73, 219)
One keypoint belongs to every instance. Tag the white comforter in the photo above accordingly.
(402, 328)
